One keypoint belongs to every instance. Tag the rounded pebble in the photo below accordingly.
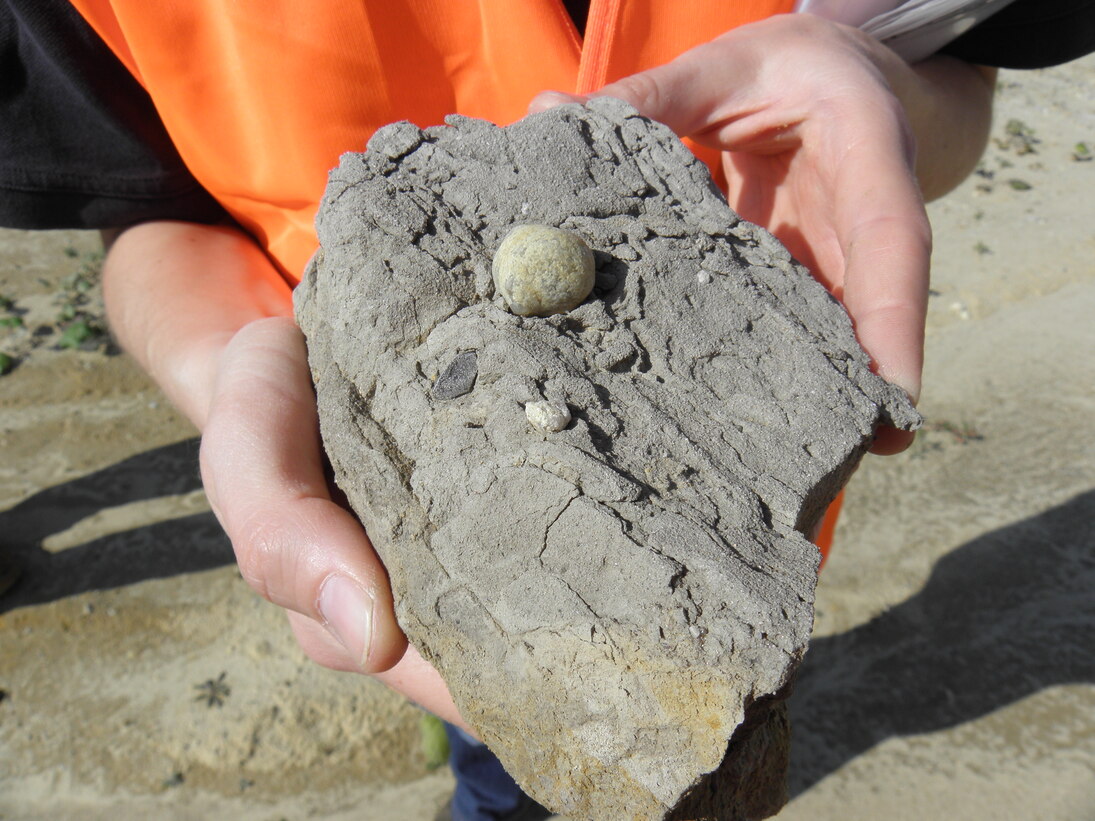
(547, 416)
(541, 270)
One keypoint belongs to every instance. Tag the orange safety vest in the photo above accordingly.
(262, 96)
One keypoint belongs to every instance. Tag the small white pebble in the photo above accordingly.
(703, 277)
(960, 309)
(547, 416)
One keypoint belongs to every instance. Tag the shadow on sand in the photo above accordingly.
(182, 545)
(1000, 618)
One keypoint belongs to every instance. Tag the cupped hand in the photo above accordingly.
(263, 470)
(817, 148)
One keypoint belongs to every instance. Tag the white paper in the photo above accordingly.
(849, 12)
(915, 29)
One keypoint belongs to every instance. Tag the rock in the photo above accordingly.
(540, 270)
(619, 606)
(550, 417)
(458, 378)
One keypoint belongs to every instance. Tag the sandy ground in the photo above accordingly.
(952, 673)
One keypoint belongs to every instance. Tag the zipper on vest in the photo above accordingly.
(597, 44)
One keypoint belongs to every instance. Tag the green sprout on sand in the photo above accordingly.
(174, 780)
(435, 744)
(1018, 137)
(67, 312)
(78, 333)
(214, 692)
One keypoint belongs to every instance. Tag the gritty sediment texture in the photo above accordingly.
(614, 601)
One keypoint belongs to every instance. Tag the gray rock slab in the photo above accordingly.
(619, 606)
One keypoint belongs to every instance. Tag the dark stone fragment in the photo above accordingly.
(458, 378)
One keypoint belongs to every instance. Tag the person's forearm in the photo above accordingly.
(206, 314)
(176, 293)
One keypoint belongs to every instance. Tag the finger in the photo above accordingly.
(886, 239)
(263, 472)
(889, 441)
(417, 679)
(684, 94)
(412, 675)
(886, 243)
(729, 107)
(320, 645)
(549, 99)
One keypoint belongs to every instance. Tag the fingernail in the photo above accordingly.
(549, 99)
(347, 611)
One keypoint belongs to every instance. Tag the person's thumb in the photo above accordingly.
(263, 472)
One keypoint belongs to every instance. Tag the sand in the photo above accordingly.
(952, 672)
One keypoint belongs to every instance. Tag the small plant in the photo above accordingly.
(981, 248)
(1020, 185)
(1018, 137)
(78, 333)
(435, 744)
(77, 283)
(173, 780)
(78, 310)
(1081, 152)
(7, 363)
(214, 692)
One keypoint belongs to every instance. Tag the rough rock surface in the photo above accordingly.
(618, 607)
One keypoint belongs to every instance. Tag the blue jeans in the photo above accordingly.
(484, 790)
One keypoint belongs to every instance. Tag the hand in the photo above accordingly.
(263, 469)
(818, 125)
(204, 312)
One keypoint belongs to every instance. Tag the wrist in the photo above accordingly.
(177, 293)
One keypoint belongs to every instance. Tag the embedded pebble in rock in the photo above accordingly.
(618, 607)
(541, 270)
(550, 417)
(458, 378)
